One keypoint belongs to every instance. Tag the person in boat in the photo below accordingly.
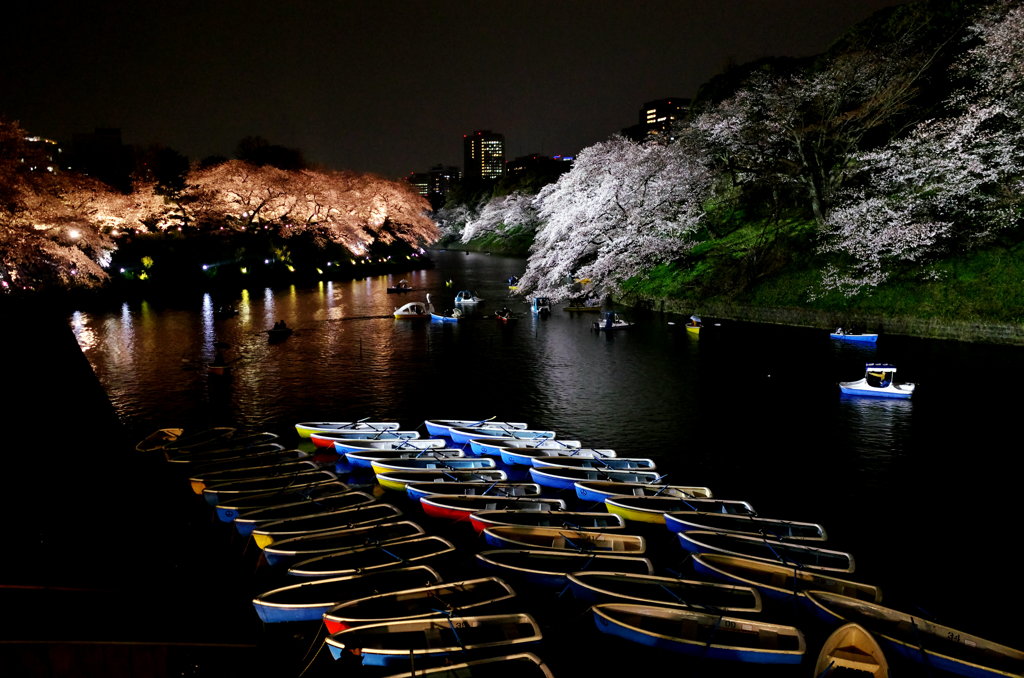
(280, 325)
(402, 284)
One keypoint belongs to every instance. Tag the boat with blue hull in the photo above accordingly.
(229, 509)
(597, 587)
(442, 427)
(878, 382)
(493, 447)
(365, 458)
(699, 634)
(344, 446)
(308, 601)
(462, 435)
(365, 514)
(599, 490)
(604, 463)
(566, 478)
(428, 463)
(938, 647)
(416, 491)
(575, 520)
(854, 336)
(416, 550)
(771, 550)
(305, 546)
(247, 521)
(564, 539)
(551, 569)
(772, 528)
(653, 509)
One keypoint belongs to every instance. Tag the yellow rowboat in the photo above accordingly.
(653, 509)
(366, 514)
(416, 463)
(852, 647)
(397, 480)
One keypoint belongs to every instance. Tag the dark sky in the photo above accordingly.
(384, 86)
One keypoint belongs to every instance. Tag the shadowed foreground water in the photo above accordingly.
(922, 492)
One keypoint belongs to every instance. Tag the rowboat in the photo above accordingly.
(178, 439)
(309, 600)
(566, 478)
(216, 494)
(877, 382)
(779, 582)
(397, 480)
(524, 456)
(460, 506)
(228, 509)
(597, 587)
(158, 439)
(771, 550)
(228, 455)
(467, 297)
(452, 316)
(773, 528)
(576, 520)
(271, 453)
(365, 458)
(564, 539)
(431, 463)
(609, 463)
(331, 439)
(247, 521)
(219, 447)
(611, 321)
(551, 568)
(418, 643)
(653, 509)
(857, 337)
(519, 665)
(467, 596)
(699, 634)
(275, 530)
(939, 647)
(377, 557)
(493, 447)
(462, 434)
(419, 490)
(346, 445)
(852, 648)
(441, 427)
(307, 428)
(307, 546)
(599, 490)
(199, 479)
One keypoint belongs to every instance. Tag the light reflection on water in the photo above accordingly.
(751, 411)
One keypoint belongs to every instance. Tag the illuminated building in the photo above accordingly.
(657, 119)
(41, 155)
(484, 155)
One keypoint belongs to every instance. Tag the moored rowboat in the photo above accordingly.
(563, 539)
(566, 478)
(519, 665)
(596, 587)
(551, 568)
(653, 509)
(379, 557)
(419, 490)
(576, 520)
(275, 530)
(247, 521)
(305, 546)
(852, 648)
(771, 550)
(459, 507)
(599, 490)
(397, 480)
(307, 428)
(772, 528)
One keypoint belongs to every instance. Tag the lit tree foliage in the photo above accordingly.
(950, 184)
(501, 215)
(623, 208)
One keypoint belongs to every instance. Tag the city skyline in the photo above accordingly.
(389, 88)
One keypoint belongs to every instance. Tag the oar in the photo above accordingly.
(481, 422)
(353, 424)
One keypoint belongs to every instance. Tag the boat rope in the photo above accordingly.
(319, 644)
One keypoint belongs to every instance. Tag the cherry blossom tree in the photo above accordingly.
(950, 184)
(623, 208)
(502, 215)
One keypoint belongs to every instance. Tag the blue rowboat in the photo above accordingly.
(462, 435)
(307, 546)
(772, 528)
(856, 337)
(228, 509)
(599, 490)
(938, 647)
(524, 456)
(441, 427)
(597, 587)
(256, 469)
(430, 463)
(415, 550)
(344, 445)
(365, 458)
(309, 601)
(247, 521)
(770, 550)
(416, 491)
(566, 478)
(221, 492)
(778, 582)
(418, 643)
(467, 596)
(275, 530)
(492, 446)
(552, 568)
(609, 464)
(699, 634)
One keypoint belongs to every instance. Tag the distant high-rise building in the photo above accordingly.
(484, 155)
(420, 181)
(658, 119)
(435, 183)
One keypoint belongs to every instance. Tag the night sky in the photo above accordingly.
(382, 86)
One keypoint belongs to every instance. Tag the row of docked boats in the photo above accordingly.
(377, 556)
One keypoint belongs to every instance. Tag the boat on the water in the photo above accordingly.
(597, 587)
(466, 596)
(644, 509)
(330, 440)
(275, 530)
(415, 310)
(307, 428)
(877, 382)
(779, 582)
(444, 464)
(564, 539)
(442, 427)
(365, 458)
(566, 478)
(460, 506)
(309, 600)
(181, 440)
(611, 321)
(417, 643)
(199, 479)
(467, 297)
(494, 446)
(223, 491)
(346, 445)
(551, 568)
(575, 520)
(247, 521)
(451, 316)
(854, 336)
(419, 490)
(772, 550)
(228, 509)
(305, 546)
(540, 307)
(772, 528)
(518, 665)
(851, 649)
(599, 490)
(397, 480)
(606, 463)
(463, 434)
(377, 557)
(700, 634)
(912, 638)
(524, 456)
